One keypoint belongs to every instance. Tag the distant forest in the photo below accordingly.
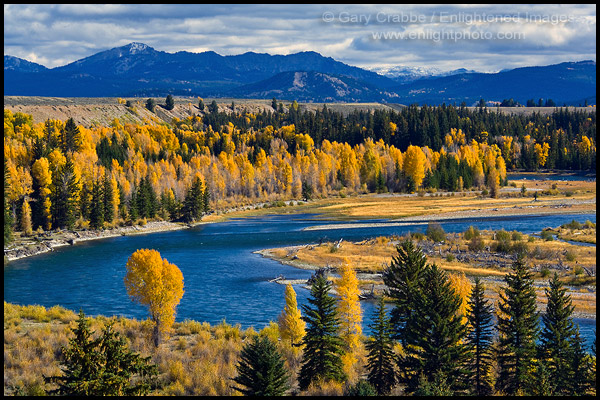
(60, 175)
(563, 131)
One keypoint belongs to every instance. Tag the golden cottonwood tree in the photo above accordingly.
(154, 282)
(414, 164)
(462, 286)
(291, 324)
(26, 218)
(350, 315)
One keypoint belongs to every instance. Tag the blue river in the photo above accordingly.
(223, 278)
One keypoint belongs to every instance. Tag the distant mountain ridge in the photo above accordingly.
(137, 69)
(18, 64)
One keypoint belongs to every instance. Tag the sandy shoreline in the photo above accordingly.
(47, 241)
(573, 207)
(38, 244)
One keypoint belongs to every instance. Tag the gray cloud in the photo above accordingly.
(55, 35)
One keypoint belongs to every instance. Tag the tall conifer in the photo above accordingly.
(404, 279)
(65, 196)
(557, 331)
(381, 359)
(518, 330)
(479, 340)
(261, 370)
(323, 347)
(435, 347)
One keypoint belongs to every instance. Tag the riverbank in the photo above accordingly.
(27, 246)
(48, 241)
(400, 208)
(371, 285)
(574, 262)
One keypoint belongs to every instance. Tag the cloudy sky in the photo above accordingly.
(481, 37)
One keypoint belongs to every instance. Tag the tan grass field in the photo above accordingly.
(572, 197)
(571, 261)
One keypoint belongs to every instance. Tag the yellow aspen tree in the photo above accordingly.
(350, 314)
(462, 286)
(26, 218)
(478, 176)
(154, 282)
(291, 324)
(541, 153)
(287, 177)
(501, 167)
(493, 181)
(414, 164)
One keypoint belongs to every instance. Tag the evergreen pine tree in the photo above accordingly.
(404, 279)
(213, 107)
(108, 201)
(150, 104)
(479, 340)
(64, 196)
(540, 384)
(70, 138)
(518, 330)
(323, 347)
(557, 331)
(382, 375)
(133, 205)
(361, 388)
(435, 339)
(120, 365)
(102, 366)
(582, 368)
(261, 370)
(85, 201)
(169, 102)
(193, 204)
(82, 364)
(146, 200)
(206, 199)
(97, 206)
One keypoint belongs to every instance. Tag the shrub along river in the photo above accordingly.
(223, 278)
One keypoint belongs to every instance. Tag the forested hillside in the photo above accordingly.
(60, 175)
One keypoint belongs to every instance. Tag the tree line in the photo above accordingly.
(59, 175)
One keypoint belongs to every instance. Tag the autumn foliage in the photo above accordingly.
(149, 170)
(154, 282)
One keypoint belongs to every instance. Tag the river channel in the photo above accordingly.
(223, 278)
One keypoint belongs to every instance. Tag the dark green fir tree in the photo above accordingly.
(557, 332)
(261, 370)
(97, 206)
(518, 330)
(64, 196)
(380, 348)
(436, 348)
(323, 346)
(404, 279)
(169, 102)
(82, 365)
(479, 340)
(102, 366)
